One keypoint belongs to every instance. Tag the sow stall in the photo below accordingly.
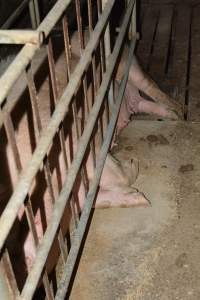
(95, 70)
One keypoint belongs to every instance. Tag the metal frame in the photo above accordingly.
(21, 192)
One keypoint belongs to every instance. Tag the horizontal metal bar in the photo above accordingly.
(79, 234)
(24, 57)
(15, 15)
(60, 204)
(10, 213)
(15, 36)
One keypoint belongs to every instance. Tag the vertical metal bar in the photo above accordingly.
(61, 241)
(37, 12)
(47, 287)
(38, 123)
(108, 52)
(90, 17)
(95, 82)
(82, 46)
(55, 95)
(103, 61)
(133, 24)
(7, 267)
(32, 14)
(68, 56)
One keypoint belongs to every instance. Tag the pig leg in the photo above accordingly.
(134, 103)
(120, 198)
(145, 84)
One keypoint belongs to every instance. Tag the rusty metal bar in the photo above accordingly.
(60, 204)
(10, 213)
(68, 56)
(95, 82)
(79, 234)
(75, 114)
(107, 53)
(55, 95)
(103, 60)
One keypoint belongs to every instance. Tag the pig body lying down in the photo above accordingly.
(116, 185)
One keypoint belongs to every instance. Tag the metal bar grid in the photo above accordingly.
(20, 197)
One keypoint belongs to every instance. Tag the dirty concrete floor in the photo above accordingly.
(149, 253)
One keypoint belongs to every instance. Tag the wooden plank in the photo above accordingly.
(194, 91)
(180, 69)
(161, 43)
(148, 26)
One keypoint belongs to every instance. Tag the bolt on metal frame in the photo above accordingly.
(21, 197)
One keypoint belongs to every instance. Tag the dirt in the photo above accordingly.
(149, 253)
(186, 168)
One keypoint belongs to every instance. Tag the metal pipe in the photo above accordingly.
(10, 213)
(133, 25)
(32, 14)
(15, 15)
(37, 12)
(21, 37)
(61, 202)
(79, 234)
(107, 53)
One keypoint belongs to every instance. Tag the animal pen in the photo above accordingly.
(95, 70)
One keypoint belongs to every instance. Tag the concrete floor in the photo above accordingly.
(149, 253)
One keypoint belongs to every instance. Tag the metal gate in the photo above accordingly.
(98, 58)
